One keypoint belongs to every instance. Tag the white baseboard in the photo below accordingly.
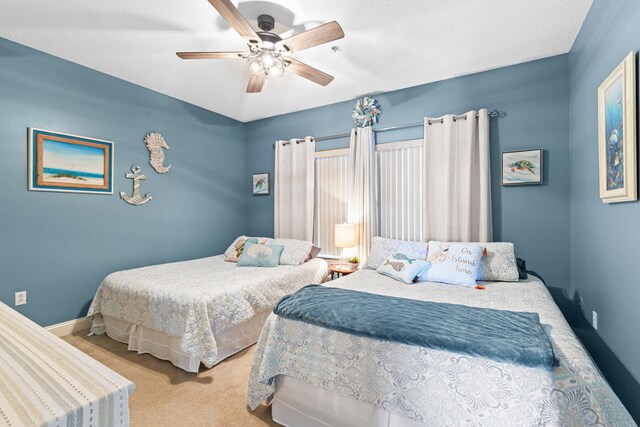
(70, 327)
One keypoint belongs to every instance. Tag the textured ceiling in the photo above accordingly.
(389, 44)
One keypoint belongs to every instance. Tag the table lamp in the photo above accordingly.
(345, 237)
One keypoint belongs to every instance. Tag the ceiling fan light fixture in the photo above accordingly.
(267, 59)
(266, 64)
(276, 70)
(255, 65)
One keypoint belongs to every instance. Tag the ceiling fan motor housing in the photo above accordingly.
(269, 39)
(266, 22)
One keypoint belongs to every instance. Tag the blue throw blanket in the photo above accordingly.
(504, 336)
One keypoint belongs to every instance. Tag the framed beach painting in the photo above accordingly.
(261, 184)
(617, 133)
(522, 167)
(69, 163)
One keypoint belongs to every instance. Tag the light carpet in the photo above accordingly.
(168, 396)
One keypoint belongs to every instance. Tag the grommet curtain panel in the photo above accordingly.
(361, 192)
(294, 189)
(457, 178)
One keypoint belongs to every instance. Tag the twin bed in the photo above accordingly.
(202, 311)
(193, 312)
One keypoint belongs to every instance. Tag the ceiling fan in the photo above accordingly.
(269, 55)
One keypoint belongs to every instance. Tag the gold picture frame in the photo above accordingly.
(69, 163)
(617, 134)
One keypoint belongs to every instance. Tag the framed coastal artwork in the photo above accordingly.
(261, 184)
(522, 167)
(69, 163)
(617, 133)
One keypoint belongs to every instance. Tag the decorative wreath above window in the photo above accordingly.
(366, 112)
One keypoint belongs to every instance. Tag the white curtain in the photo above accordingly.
(361, 192)
(294, 189)
(457, 192)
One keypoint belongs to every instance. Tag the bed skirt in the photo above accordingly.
(297, 403)
(165, 347)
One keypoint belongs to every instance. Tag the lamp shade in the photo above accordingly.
(345, 236)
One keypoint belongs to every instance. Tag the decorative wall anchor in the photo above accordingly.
(135, 199)
(155, 143)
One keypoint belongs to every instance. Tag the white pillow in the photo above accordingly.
(499, 263)
(453, 263)
(381, 248)
(233, 252)
(295, 251)
(402, 267)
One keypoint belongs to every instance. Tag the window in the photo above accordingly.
(399, 167)
(331, 198)
(399, 193)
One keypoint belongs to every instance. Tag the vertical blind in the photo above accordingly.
(400, 178)
(400, 189)
(331, 198)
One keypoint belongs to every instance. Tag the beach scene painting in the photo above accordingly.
(617, 134)
(522, 167)
(62, 162)
(260, 184)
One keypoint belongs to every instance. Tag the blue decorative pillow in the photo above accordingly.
(402, 267)
(453, 263)
(381, 248)
(233, 252)
(258, 255)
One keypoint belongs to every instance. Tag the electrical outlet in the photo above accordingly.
(594, 320)
(21, 298)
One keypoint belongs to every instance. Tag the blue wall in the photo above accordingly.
(605, 239)
(535, 97)
(59, 246)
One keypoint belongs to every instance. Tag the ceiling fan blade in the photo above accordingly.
(255, 84)
(308, 72)
(325, 33)
(233, 16)
(210, 55)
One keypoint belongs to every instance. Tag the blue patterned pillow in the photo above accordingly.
(382, 247)
(258, 255)
(402, 267)
(233, 252)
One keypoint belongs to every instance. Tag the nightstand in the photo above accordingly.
(339, 270)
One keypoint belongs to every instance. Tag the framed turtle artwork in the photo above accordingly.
(261, 184)
(617, 133)
(522, 167)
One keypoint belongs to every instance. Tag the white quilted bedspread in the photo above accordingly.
(197, 299)
(440, 388)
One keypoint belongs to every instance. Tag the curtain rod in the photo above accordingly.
(493, 113)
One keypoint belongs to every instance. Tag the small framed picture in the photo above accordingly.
(69, 163)
(261, 184)
(522, 167)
